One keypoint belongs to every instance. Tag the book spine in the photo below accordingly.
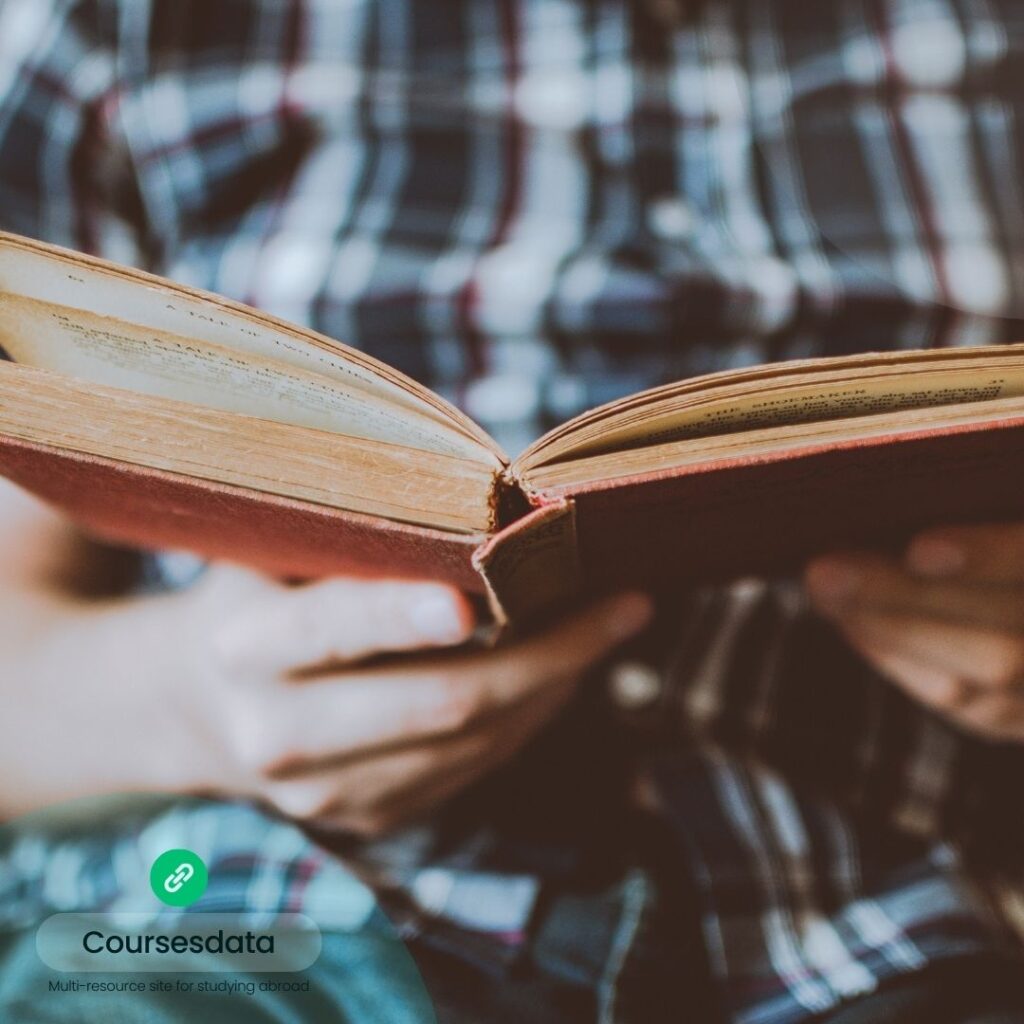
(532, 567)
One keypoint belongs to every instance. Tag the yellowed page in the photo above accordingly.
(60, 277)
(786, 406)
(38, 276)
(342, 472)
(748, 379)
(817, 398)
(119, 354)
(564, 478)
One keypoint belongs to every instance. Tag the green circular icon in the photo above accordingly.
(178, 877)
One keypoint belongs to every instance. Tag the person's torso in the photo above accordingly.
(537, 206)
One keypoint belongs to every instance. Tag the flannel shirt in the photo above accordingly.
(534, 206)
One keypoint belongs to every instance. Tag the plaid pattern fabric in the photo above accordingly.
(838, 834)
(538, 205)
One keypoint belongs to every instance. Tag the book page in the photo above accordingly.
(566, 478)
(788, 403)
(61, 278)
(352, 474)
(789, 406)
(118, 354)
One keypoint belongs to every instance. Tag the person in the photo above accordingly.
(780, 801)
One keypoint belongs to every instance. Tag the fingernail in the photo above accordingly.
(936, 556)
(629, 615)
(436, 617)
(833, 583)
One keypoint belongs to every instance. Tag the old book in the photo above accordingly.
(159, 416)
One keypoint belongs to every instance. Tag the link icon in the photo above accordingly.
(178, 878)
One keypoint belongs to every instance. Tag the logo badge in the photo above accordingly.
(178, 878)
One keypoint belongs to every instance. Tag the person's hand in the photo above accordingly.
(946, 622)
(242, 686)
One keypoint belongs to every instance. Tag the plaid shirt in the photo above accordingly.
(538, 205)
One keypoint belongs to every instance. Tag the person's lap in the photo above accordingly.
(968, 990)
(628, 949)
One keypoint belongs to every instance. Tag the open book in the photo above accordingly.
(160, 416)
